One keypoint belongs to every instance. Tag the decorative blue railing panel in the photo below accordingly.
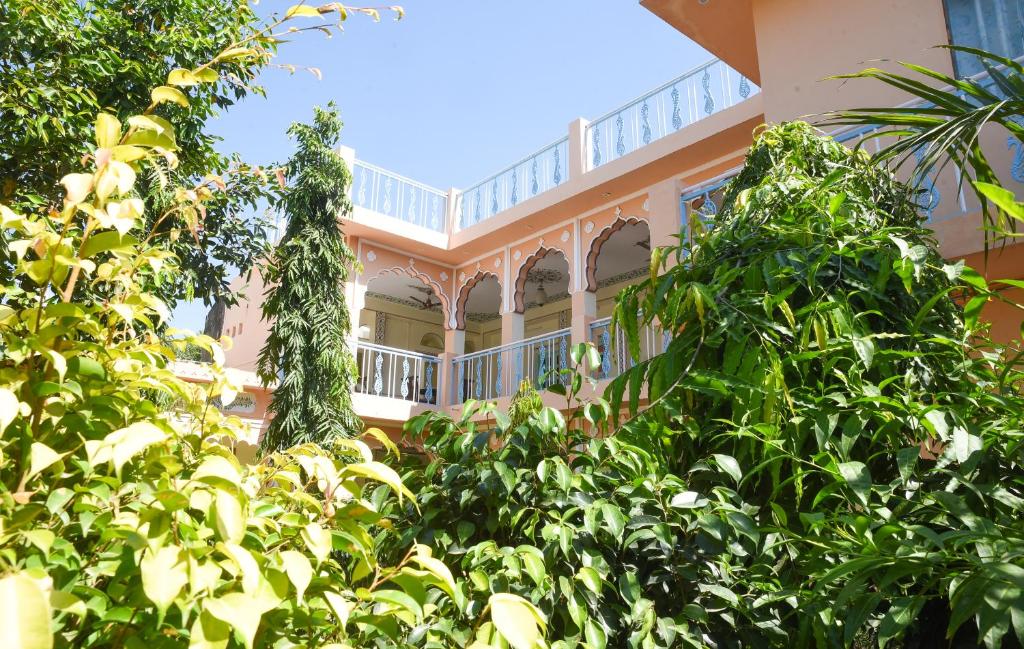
(400, 198)
(396, 373)
(535, 174)
(615, 356)
(703, 91)
(477, 376)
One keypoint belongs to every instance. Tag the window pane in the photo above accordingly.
(993, 25)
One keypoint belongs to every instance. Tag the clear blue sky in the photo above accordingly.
(458, 89)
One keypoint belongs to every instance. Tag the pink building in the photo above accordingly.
(465, 292)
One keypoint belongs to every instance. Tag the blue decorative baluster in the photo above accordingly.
(494, 197)
(606, 353)
(514, 198)
(709, 101)
(386, 207)
(361, 197)
(557, 177)
(677, 119)
(708, 207)
(519, 366)
(597, 145)
(497, 383)
(665, 340)
(404, 389)
(478, 388)
(561, 357)
(434, 212)
(430, 382)
(744, 87)
(645, 120)
(462, 211)
(412, 206)
(462, 381)
(620, 140)
(1017, 166)
(534, 187)
(931, 196)
(476, 207)
(378, 379)
(542, 365)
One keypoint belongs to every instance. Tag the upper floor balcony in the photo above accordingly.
(388, 202)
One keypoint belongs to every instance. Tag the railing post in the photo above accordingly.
(578, 147)
(454, 345)
(452, 218)
(348, 154)
(584, 311)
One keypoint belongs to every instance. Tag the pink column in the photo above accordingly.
(454, 345)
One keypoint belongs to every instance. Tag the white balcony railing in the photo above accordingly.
(614, 351)
(497, 372)
(397, 374)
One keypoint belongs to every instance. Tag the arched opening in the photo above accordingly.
(478, 312)
(618, 257)
(542, 297)
(401, 336)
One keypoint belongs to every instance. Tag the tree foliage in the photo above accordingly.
(945, 124)
(123, 525)
(307, 348)
(64, 61)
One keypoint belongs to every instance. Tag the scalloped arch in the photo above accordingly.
(602, 238)
(519, 297)
(422, 277)
(467, 288)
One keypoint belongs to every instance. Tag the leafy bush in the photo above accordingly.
(820, 359)
(827, 454)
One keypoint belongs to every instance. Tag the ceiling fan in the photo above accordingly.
(643, 243)
(428, 303)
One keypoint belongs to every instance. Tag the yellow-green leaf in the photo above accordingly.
(208, 632)
(228, 517)
(381, 473)
(24, 614)
(299, 571)
(8, 408)
(41, 456)
(126, 443)
(162, 94)
(240, 611)
(182, 77)
(164, 574)
(303, 11)
(341, 606)
(108, 131)
(318, 540)
(517, 620)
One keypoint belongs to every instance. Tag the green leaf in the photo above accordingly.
(105, 241)
(208, 632)
(858, 477)
(614, 519)
(729, 464)
(590, 578)
(517, 620)
(241, 611)
(1003, 198)
(108, 131)
(398, 598)
(164, 574)
(24, 614)
(302, 11)
(595, 635)
(865, 349)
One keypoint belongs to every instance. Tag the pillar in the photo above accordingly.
(584, 311)
(665, 212)
(454, 346)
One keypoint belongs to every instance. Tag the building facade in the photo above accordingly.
(463, 293)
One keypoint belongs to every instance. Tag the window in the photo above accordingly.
(993, 25)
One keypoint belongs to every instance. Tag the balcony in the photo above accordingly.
(672, 107)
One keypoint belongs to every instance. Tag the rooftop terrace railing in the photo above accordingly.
(689, 98)
(390, 194)
(703, 91)
(536, 173)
